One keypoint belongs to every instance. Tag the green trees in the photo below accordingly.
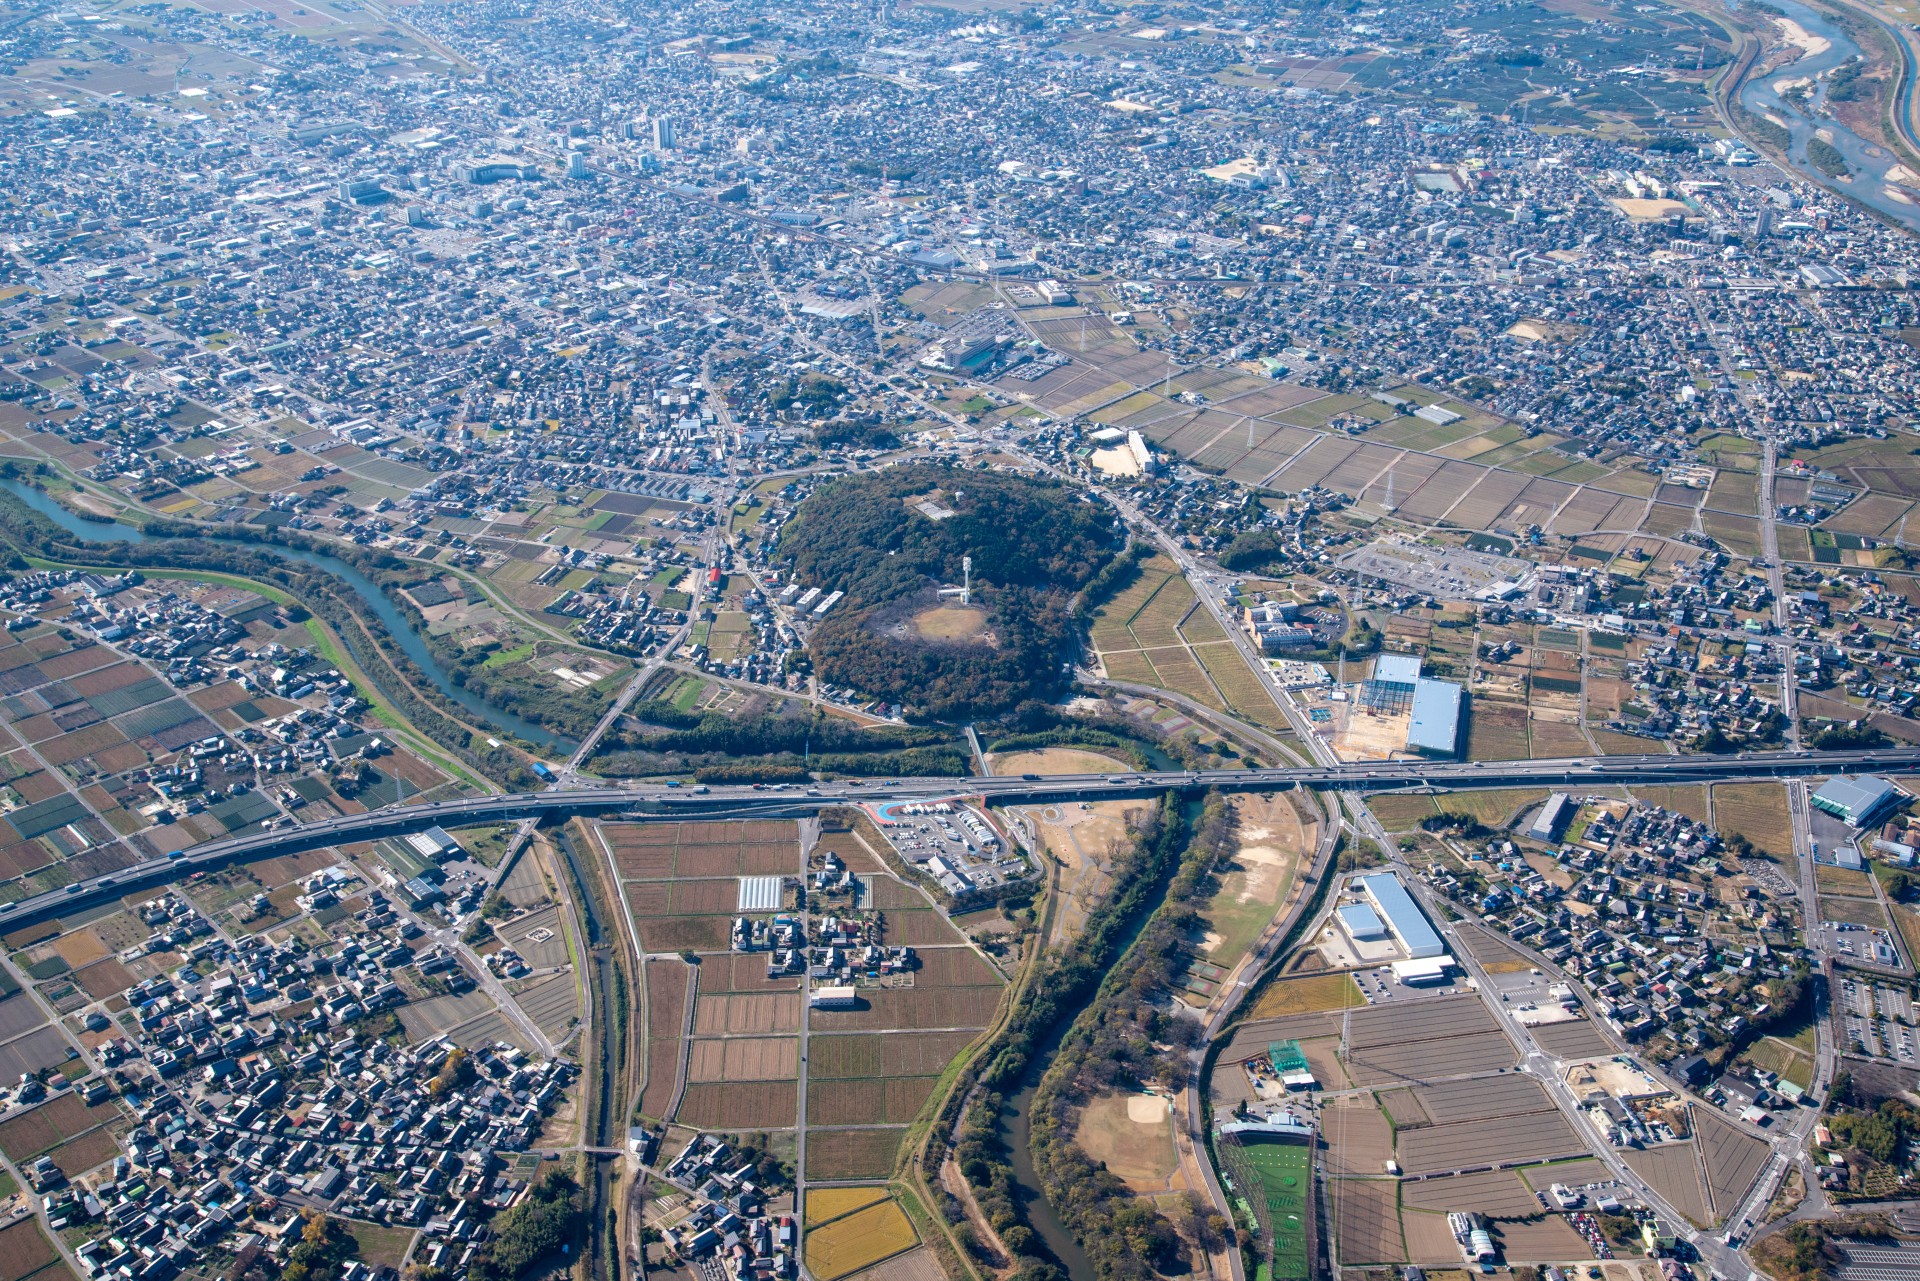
(551, 1216)
(887, 539)
(324, 1249)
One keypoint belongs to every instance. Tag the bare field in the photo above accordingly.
(1732, 1157)
(1672, 1170)
(1419, 1020)
(745, 1013)
(62, 1117)
(1366, 1221)
(1478, 1100)
(1471, 1143)
(1460, 1055)
(852, 1154)
(666, 998)
(1498, 1194)
(1359, 1139)
(1580, 1039)
(895, 1101)
(876, 1055)
(740, 1105)
(663, 1069)
(744, 1059)
(952, 1007)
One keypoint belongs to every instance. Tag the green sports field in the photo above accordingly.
(1284, 1170)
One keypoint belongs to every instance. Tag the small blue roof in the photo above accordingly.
(1396, 669)
(1362, 921)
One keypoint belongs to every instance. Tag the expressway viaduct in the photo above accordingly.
(662, 802)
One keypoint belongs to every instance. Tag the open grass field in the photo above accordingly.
(1275, 837)
(858, 1240)
(951, 621)
(1132, 1134)
(1307, 996)
(378, 1246)
(1401, 813)
(1281, 1173)
(1757, 811)
(1774, 1055)
(1496, 807)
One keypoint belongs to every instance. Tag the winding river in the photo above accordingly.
(1869, 162)
(403, 634)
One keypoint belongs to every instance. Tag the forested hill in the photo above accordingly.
(888, 539)
(864, 536)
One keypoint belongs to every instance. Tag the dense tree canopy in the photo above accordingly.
(888, 539)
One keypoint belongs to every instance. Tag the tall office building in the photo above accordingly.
(663, 133)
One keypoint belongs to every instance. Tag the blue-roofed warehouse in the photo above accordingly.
(1435, 727)
(1362, 922)
(1397, 908)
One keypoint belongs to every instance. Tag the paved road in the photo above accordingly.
(659, 801)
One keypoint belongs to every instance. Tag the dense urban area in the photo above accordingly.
(962, 640)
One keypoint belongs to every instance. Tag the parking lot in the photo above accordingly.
(1877, 1018)
(1379, 986)
(954, 833)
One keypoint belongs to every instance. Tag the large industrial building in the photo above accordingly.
(1436, 706)
(1402, 915)
(1858, 802)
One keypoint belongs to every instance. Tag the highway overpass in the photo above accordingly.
(658, 802)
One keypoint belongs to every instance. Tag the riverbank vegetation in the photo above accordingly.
(26, 533)
(1061, 982)
(1132, 1037)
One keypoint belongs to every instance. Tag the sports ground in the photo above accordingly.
(1283, 1170)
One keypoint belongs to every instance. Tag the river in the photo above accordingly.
(1869, 161)
(1016, 1117)
(365, 588)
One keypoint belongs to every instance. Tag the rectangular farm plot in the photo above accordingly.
(895, 1101)
(740, 1104)
(1477, 1100)
(852, 1154)
(1458, 1055)
(1418, 1021)
(882, 1055)
(649, 851)
(1467, 1144)
(1366, 1221)
(32, 1133)
(1498, 1194)
(1359, 1138)
(746, 1013)
(859, 1240)
(917, 1007)
(25, 1250)
(757, 1058)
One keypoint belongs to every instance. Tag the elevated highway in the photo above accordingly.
(660, 802)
